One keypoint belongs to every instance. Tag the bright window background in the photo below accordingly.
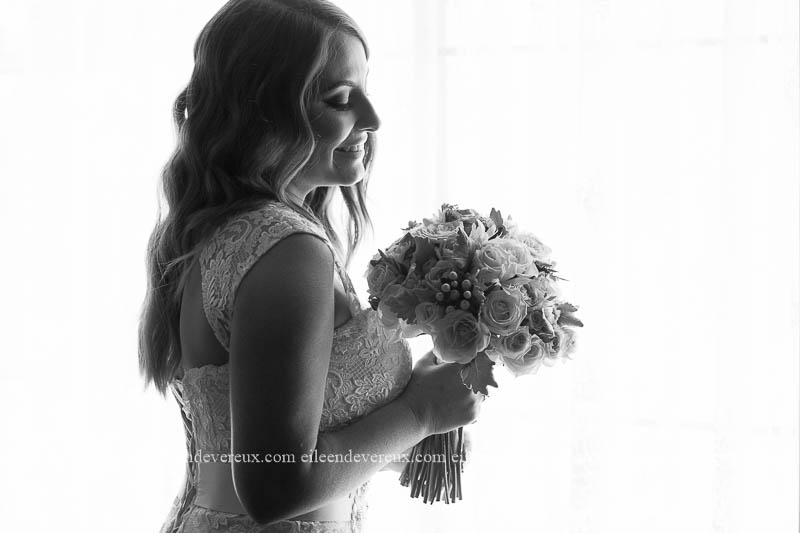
(653, 145)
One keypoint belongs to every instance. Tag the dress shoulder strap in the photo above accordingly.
(234, 249)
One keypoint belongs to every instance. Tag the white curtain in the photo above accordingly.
(653, 145)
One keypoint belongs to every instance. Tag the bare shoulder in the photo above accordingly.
(295, 275)
(301, 262)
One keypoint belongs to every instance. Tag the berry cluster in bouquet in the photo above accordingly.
(485, 292)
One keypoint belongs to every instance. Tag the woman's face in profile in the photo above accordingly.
(341, 118)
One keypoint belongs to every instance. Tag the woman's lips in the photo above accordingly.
(354, 154)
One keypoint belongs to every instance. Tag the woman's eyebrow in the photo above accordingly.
(346, 83)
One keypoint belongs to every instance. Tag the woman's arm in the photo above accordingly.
(399, 464)
(281, 337)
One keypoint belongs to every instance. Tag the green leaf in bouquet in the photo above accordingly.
(400, 301)
(424, 294)
(399, 267)
(545, 267)
(497, 218)
(567, 318)
(567, 307)
(520, 285)
(519, 282)
(407, 242)
(477, 374)
(423, 251)
(412, 278)
(462, 245)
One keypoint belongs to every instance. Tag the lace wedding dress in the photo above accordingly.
(369, 367)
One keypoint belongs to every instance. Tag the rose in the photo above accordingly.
(438, 231)
(503, 311)
(418, 286)
(511, 346)
(563, 344)
(541, 290)
(425, 315)
(551, 314)
(452, 212)
(458, 337)
(464, 246)
(467, 213)
(530, 362)
(380, 276)
(461, 248)
(538, 248)
(469, 217)
(440, 270)
(541, 322)
(520, 259)
(567, 342)
(492, 261)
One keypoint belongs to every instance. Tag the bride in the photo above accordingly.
(292, 395)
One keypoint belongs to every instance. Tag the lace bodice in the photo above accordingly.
(369, 364)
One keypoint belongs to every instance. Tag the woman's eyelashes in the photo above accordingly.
(340, 106)
(343, 105)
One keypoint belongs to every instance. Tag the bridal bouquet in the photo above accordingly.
(485, 292)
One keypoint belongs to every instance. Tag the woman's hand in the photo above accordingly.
(438, 397)
(398, 466)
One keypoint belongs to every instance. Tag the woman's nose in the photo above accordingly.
(369, 119)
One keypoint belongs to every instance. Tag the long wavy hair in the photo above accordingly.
(243, 134)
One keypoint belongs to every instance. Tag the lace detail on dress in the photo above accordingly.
(369, 367)
(200, 519)
(234, 249)
(360, 508)
(206, 403)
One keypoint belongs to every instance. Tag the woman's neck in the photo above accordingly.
(298, 191)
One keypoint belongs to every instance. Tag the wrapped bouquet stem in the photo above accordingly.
(435, 466)
(486, 293)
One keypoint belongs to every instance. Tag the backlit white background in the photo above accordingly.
(653, 145)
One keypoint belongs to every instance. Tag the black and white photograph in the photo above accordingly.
(427, 266)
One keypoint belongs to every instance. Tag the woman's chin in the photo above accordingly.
(351, 177)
